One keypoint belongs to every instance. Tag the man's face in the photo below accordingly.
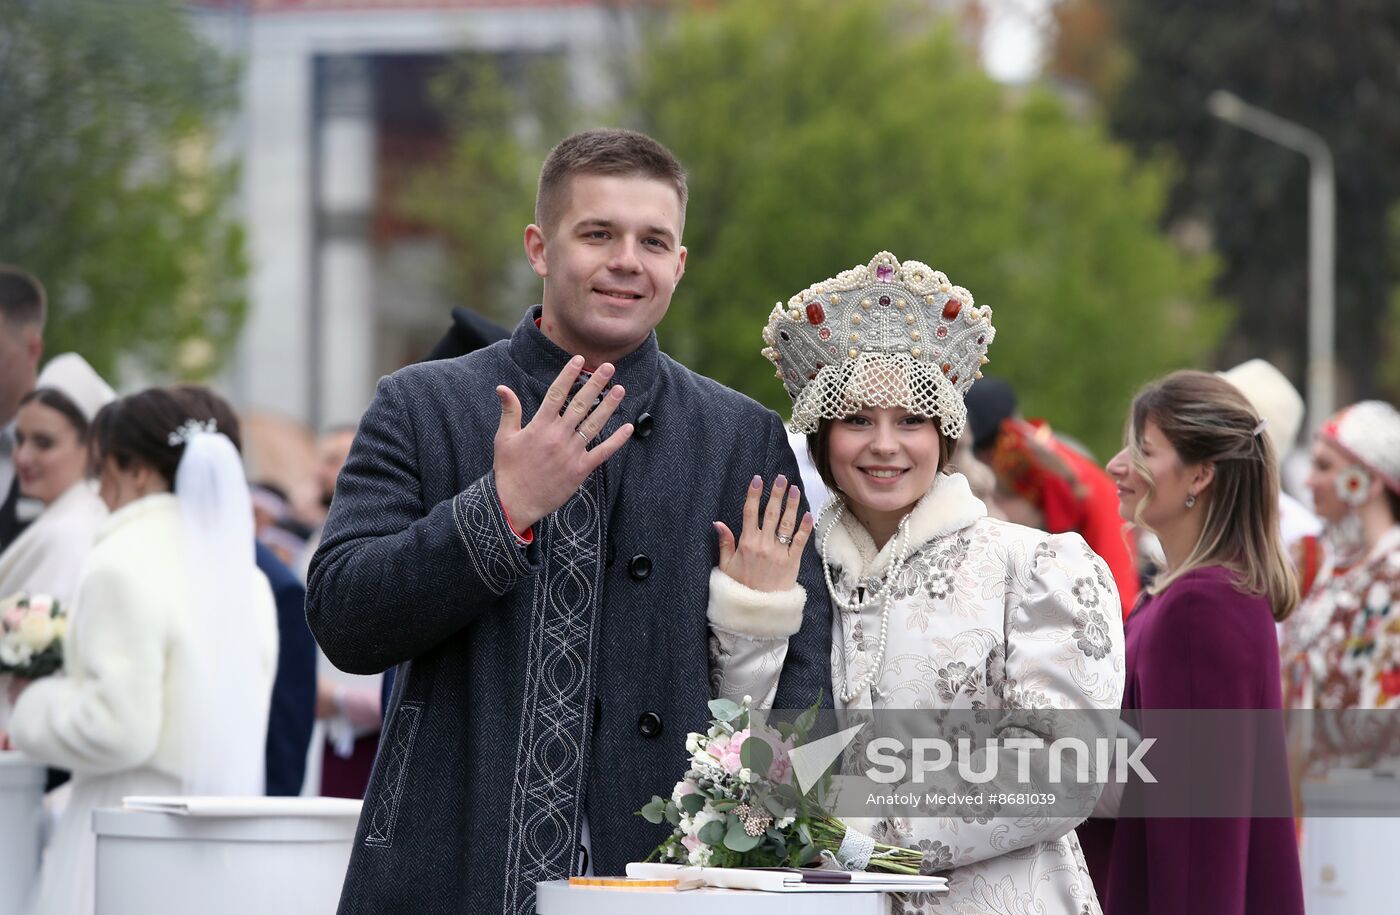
(610, 265)
(20, 348)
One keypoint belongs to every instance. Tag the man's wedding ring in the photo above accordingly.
(581, 435)
(785, 540)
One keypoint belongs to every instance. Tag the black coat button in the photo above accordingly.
(649, 724)
(643, 425)
(640, 567)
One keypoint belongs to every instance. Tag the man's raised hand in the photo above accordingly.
(539, 467)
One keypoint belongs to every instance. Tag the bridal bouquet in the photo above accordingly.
(738, 804)
(32, 627)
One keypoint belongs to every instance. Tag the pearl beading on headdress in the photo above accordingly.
(189, 429)
(882, 334)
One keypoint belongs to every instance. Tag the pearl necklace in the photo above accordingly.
(880, 595)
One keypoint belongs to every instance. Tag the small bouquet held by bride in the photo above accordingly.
(32, 627)
(739, 805)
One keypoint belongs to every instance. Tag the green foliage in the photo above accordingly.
(1326, 64)
(108, 191)
(817, 135)
(504, 114)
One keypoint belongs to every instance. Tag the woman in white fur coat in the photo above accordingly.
(935, 605)
(51, 460)
(170, 657)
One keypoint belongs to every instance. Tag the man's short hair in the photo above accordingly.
(22, 298)
(603, 152)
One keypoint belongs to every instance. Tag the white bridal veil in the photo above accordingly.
(226, 728)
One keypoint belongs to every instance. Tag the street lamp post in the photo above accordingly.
(1321, 239)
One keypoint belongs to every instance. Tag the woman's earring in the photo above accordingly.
(1353, 486)
(1190, 500)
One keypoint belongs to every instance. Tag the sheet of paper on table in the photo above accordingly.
(245, 806)
(791, 880)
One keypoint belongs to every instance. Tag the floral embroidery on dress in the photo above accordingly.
(1343, 651)
(1091, 634)
(1086, 591)
(937, 857)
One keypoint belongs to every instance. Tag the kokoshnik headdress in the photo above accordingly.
(884, 334)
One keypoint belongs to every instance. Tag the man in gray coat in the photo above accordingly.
(536, 562)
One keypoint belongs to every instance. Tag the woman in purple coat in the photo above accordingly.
(1199, 473)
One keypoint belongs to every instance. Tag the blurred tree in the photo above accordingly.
(109, 191)
(1084, 48)
(817, 134)
(503, 114)
(1326, 64)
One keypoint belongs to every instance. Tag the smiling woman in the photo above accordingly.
(51, 462)
(936, 605)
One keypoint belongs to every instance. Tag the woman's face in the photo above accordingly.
(883, 459)
(1329, 464)
(1173, 481)
(49, 455)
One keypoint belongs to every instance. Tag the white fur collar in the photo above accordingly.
(948, 506)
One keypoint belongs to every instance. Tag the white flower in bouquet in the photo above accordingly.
(36, 631)
(14, 653)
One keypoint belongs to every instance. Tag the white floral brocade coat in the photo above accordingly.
(986, 615)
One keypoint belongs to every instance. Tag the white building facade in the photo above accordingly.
(331, 306)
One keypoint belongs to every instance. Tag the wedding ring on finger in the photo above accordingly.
(785, 540)
(579, 433)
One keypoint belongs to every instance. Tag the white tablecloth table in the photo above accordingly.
(1349, 840)
(21, 828)
(556, 897)
(229, 856)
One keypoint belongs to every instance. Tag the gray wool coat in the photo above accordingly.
(537, 685)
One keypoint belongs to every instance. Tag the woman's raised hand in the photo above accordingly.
(768, 555)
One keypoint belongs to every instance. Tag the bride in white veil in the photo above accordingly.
(172, 651)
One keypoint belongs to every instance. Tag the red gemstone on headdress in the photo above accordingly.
(824, 333)
(947, 368)
(815, 314)
(982, 339)
(951, 308)
(883, 273)
(954, 379)
(884, 300)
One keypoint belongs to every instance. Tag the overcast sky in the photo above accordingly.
(1011, 48)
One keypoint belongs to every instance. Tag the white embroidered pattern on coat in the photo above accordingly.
(550, 761)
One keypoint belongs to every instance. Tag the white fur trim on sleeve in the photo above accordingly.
(743, 611)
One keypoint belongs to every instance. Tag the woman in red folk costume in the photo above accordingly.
(1342, 648)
